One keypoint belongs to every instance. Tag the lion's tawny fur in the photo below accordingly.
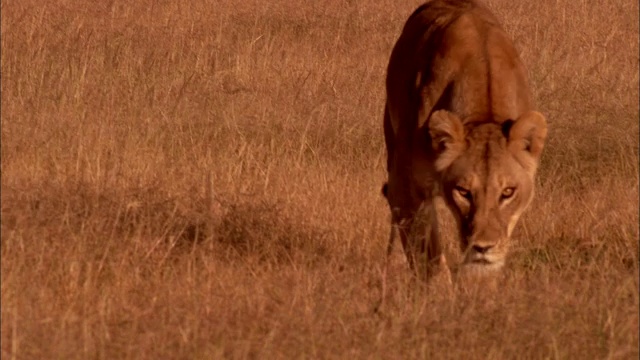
(458, 123)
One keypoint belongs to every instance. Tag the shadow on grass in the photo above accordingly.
(154, 221)
(263, 230)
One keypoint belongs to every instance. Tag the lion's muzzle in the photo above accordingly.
(485, 256)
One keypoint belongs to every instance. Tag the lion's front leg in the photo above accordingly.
(421, 240)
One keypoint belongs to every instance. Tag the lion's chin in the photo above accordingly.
(479, 275)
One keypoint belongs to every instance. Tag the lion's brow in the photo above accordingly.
(485, 156)
(489, 144)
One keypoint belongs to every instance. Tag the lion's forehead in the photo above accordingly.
(487, 162)
(487, 147)
(492, 181)
(485, 132)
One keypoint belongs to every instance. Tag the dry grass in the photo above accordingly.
(201, 180)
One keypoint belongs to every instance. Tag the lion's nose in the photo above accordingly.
(481, 249)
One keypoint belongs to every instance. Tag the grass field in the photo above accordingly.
(200, 180)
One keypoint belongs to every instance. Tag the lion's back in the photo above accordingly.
(454, 55)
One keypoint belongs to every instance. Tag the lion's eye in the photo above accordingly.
(507, 193)
(465, 193)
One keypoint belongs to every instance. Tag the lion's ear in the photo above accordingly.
(447, 137)
(528, 133)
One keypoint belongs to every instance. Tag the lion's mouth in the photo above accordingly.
(484, 260)
(481, 261)
(480, 267)
(478, 258)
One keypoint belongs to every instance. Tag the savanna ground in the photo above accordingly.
(202, 180)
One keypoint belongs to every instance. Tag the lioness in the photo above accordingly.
(458, 123)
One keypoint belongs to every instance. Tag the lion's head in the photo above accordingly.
(487, 171)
